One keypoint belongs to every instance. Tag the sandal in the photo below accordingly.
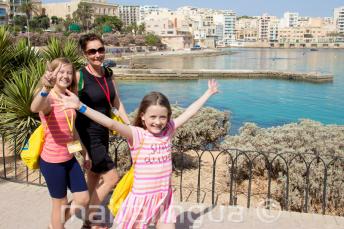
(87, 225)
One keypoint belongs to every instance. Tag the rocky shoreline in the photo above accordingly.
(190, 74)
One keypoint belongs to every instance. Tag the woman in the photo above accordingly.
(97, 89)
(57, 162)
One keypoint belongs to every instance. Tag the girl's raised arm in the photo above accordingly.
(71, 101)
(40, 101)
(195, 106)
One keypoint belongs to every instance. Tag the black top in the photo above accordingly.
(93, 96)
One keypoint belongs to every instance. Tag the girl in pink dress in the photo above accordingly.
(150, 200)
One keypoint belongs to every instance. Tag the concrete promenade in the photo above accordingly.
(28, 206)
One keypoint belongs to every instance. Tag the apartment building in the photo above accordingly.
(4, 11)
(66, 9)
(290, 19)
(146, 10)
(225, 20)
(246, 29)
(338, 18)
(264, 27)
(129, 14)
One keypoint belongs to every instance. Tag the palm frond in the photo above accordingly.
(17, 120)
(69, 50)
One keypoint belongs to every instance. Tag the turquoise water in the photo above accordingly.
(265, 102)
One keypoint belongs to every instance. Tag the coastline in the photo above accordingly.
(159, 54)
(191, 74)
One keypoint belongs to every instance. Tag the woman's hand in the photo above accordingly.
(49, 78)
(87, 162)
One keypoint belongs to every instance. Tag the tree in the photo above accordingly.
(141, 29)
(112, 21)
(132, 28)
(84, 15)
(42, 22)
(29, 7)
(152, 40)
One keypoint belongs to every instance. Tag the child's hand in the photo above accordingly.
(68, 101)
(212, 87)
(49, 77)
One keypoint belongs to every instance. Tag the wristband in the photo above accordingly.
(44, 94)
(82, 109)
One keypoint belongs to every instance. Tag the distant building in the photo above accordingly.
(246, 29)
(146, 10)
(66, 9)
(129, 14)
(338, 18)
(16, 4)
(290, 19)
(225, 20)
(4, 11)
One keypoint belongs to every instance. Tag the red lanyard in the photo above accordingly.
(107, 91)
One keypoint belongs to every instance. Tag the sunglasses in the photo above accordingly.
(101, 50)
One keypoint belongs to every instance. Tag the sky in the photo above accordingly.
(313, 8)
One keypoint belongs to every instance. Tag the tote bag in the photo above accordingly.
(33, 147)
(123, 188)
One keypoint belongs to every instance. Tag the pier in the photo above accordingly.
(191, 74)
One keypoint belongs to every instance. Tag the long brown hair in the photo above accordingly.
(153, 98)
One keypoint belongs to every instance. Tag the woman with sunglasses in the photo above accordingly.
(97, 89)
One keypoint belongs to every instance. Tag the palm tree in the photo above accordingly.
(29, 7)
(84, 14)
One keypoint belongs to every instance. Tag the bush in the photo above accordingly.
(307, 139)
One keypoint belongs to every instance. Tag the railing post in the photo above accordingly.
(15, 156)
(324, 192)
(249, 185)
(307, 190)
(3, 155)
(181, 176)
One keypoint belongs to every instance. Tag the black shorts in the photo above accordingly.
(101, 160)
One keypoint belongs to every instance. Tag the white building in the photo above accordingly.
(338, 18)
(146, 10)
(263, 27)
(225, 21)
(129, 14)
(290, 19)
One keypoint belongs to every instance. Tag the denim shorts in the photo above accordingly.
(60, 176)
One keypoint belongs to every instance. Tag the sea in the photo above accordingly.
(266, 102)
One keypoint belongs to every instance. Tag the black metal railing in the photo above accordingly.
(233, 177)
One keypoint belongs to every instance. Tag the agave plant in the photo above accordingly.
(17, 121)
(15, 56)
(68, 49)
(7, 54)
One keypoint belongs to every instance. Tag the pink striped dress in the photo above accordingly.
(150, 200)
(57, 134)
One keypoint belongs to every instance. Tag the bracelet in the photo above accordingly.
(82, 109)
(44, 93)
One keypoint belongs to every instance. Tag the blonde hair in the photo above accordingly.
(53, 65)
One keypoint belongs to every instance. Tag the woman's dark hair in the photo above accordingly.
(84, 39)
(153, 98)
